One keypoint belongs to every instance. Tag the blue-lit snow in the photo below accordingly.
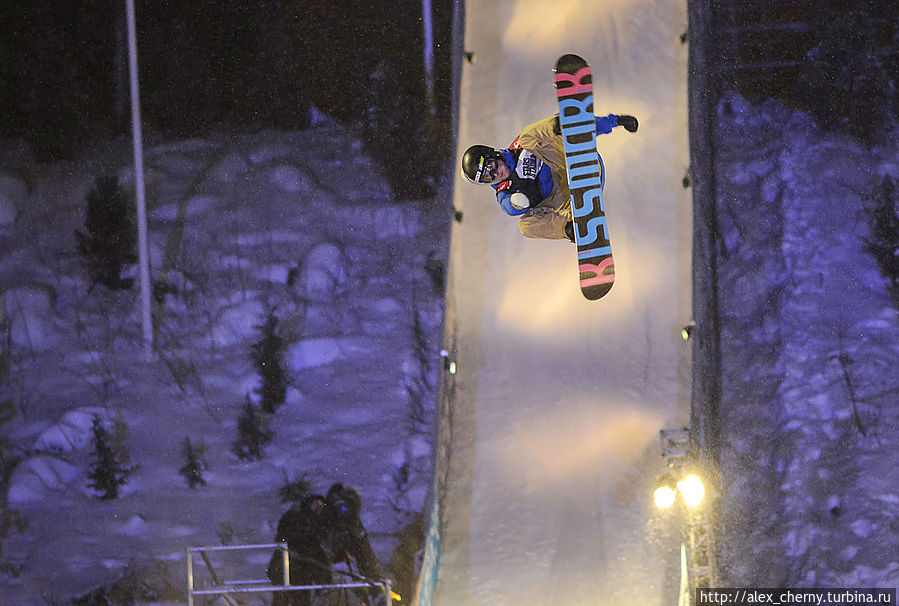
(810, 478)
(301, 224)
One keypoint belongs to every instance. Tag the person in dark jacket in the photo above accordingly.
(320, 532)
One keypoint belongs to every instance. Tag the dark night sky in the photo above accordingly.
(255, 63)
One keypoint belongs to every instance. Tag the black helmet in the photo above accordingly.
(474, 161)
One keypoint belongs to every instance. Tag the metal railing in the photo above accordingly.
(228, 588)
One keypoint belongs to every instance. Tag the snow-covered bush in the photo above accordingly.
(323, 273)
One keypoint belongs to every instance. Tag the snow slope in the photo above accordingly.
(558, 401)
(300, 224)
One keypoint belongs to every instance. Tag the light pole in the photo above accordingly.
(140, 193)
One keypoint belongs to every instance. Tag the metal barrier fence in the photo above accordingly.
(227, 588)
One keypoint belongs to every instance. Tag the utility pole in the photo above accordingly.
(427, 19)
(142, 240)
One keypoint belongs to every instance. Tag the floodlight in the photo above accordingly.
(664, 494)
(691, 489)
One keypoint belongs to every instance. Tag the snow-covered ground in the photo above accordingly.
(300, 224)
(810, 348)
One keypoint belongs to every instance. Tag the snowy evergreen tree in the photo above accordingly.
(252, 433)
(111, 234)
(194, 463)
(107, 473)
(268, 357)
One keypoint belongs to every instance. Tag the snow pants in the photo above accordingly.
(547, 219)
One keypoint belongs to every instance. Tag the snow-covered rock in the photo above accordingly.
(197, 205)
(135, 526)
(71, 432)
(325, 319)
(274, 273)
(37, 475)
(322, 273)
(229, 168)
(383, 317)
(310, 353)
(380, 222)
(268, 152)
(290, 179)
(237, 323)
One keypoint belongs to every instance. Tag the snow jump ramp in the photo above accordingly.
(549, 449)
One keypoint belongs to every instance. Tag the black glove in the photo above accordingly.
(629, 123)
(569, 231)
(557, 128)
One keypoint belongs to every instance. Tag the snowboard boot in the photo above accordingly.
(629, 123)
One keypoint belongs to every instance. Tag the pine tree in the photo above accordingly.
(194, 463)
(107, 473)
(252, 433)
(268, 357)
(111, 234)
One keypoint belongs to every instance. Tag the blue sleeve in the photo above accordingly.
(504, 198)
(605, 124)
(545, 179)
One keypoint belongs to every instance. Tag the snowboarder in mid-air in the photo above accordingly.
(530, 176)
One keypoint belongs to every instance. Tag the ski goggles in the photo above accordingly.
(487, 170)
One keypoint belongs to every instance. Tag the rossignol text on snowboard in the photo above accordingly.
(574, 89)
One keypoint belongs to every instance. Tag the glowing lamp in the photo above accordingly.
(692, 490)
(663, 497)
(664, 494)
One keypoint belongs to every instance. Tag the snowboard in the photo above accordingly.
(574, 89)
